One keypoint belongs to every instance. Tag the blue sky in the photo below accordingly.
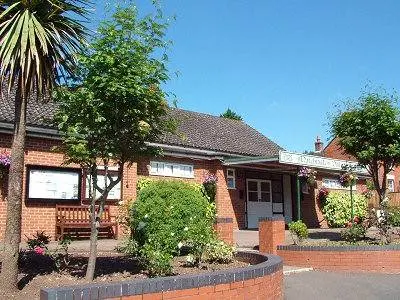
(282, 65)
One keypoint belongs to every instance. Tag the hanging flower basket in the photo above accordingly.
(307, 176)
(210, 186)
(4, 165)
(348, 179)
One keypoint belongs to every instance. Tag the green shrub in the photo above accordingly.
(353, 233)
(168, 215)
(337, 208)
(394, 216)
(218, 251)
(299, 229)
(156, 261)
(128, 246)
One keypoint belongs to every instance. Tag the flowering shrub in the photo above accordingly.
(348, 179)
(322, 194)
(337, 208)
(166, 216)
(59, 256)
(353, 232)
(307, 174)
(218, 251)
(210, 186)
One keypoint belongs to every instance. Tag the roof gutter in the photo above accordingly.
(249, 160)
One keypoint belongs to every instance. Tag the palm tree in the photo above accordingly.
(38, 40)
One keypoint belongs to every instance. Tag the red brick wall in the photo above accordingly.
(271, 233)
(224, 229)
(349, 261)
(334, 150)
(38, 215)
(267, 287)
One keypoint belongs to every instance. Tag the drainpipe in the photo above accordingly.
(298, 198)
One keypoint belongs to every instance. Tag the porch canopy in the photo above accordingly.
(290, 162)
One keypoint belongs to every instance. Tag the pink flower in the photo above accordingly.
(39, 250)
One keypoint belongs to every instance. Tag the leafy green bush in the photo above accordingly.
(337, 208)
(128, 246)
(394, 216)
(156, 261)
(168, 215)
(218, 251)
(353, 233)
(299, 229)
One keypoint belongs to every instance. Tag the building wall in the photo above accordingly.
(40, 216)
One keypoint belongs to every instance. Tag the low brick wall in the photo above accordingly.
(262, 280)
(369, 258)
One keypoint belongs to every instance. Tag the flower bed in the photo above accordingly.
(261, 279)
(354, 258)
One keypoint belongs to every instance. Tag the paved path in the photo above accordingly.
(330, 285)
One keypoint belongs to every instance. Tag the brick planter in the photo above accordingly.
(262, 280)
(369, 258)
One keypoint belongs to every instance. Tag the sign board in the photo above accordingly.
(318, 162)
(53, 184)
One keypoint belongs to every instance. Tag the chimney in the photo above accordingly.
(319, 146)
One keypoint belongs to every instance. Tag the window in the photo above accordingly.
(332, 183)
(230, 179)
(171, 169)
(114, 194)
(390, 183)
(48, 183)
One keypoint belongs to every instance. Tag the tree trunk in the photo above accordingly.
(12, 238)
(94, 232)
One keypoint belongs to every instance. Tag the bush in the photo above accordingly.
(337, 208)
(156, 261)
(39, 240)
(394, 216)
(299, 229)
(168, 215)
(353, 233)
(218, 251)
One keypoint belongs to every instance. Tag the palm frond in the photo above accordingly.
(39, 40)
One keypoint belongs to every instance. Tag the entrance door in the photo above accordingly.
(259, 201)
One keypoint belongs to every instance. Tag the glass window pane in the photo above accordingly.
(265, 186)
(230, 172)
(276, 186)
(253, 196)
(277, 198)
(231, 183)
(252, 186)
(265, 197)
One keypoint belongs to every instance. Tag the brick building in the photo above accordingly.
(256, 177)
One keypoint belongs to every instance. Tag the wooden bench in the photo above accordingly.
(77, 217)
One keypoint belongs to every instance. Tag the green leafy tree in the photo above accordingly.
(38, 39)
(117, 106)
(230, 114)
(369, 130)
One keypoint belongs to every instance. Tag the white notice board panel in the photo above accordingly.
(54, 184)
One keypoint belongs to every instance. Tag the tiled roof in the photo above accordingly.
(195, 130)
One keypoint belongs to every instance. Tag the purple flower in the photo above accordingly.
(210, 178)
(5, 160)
